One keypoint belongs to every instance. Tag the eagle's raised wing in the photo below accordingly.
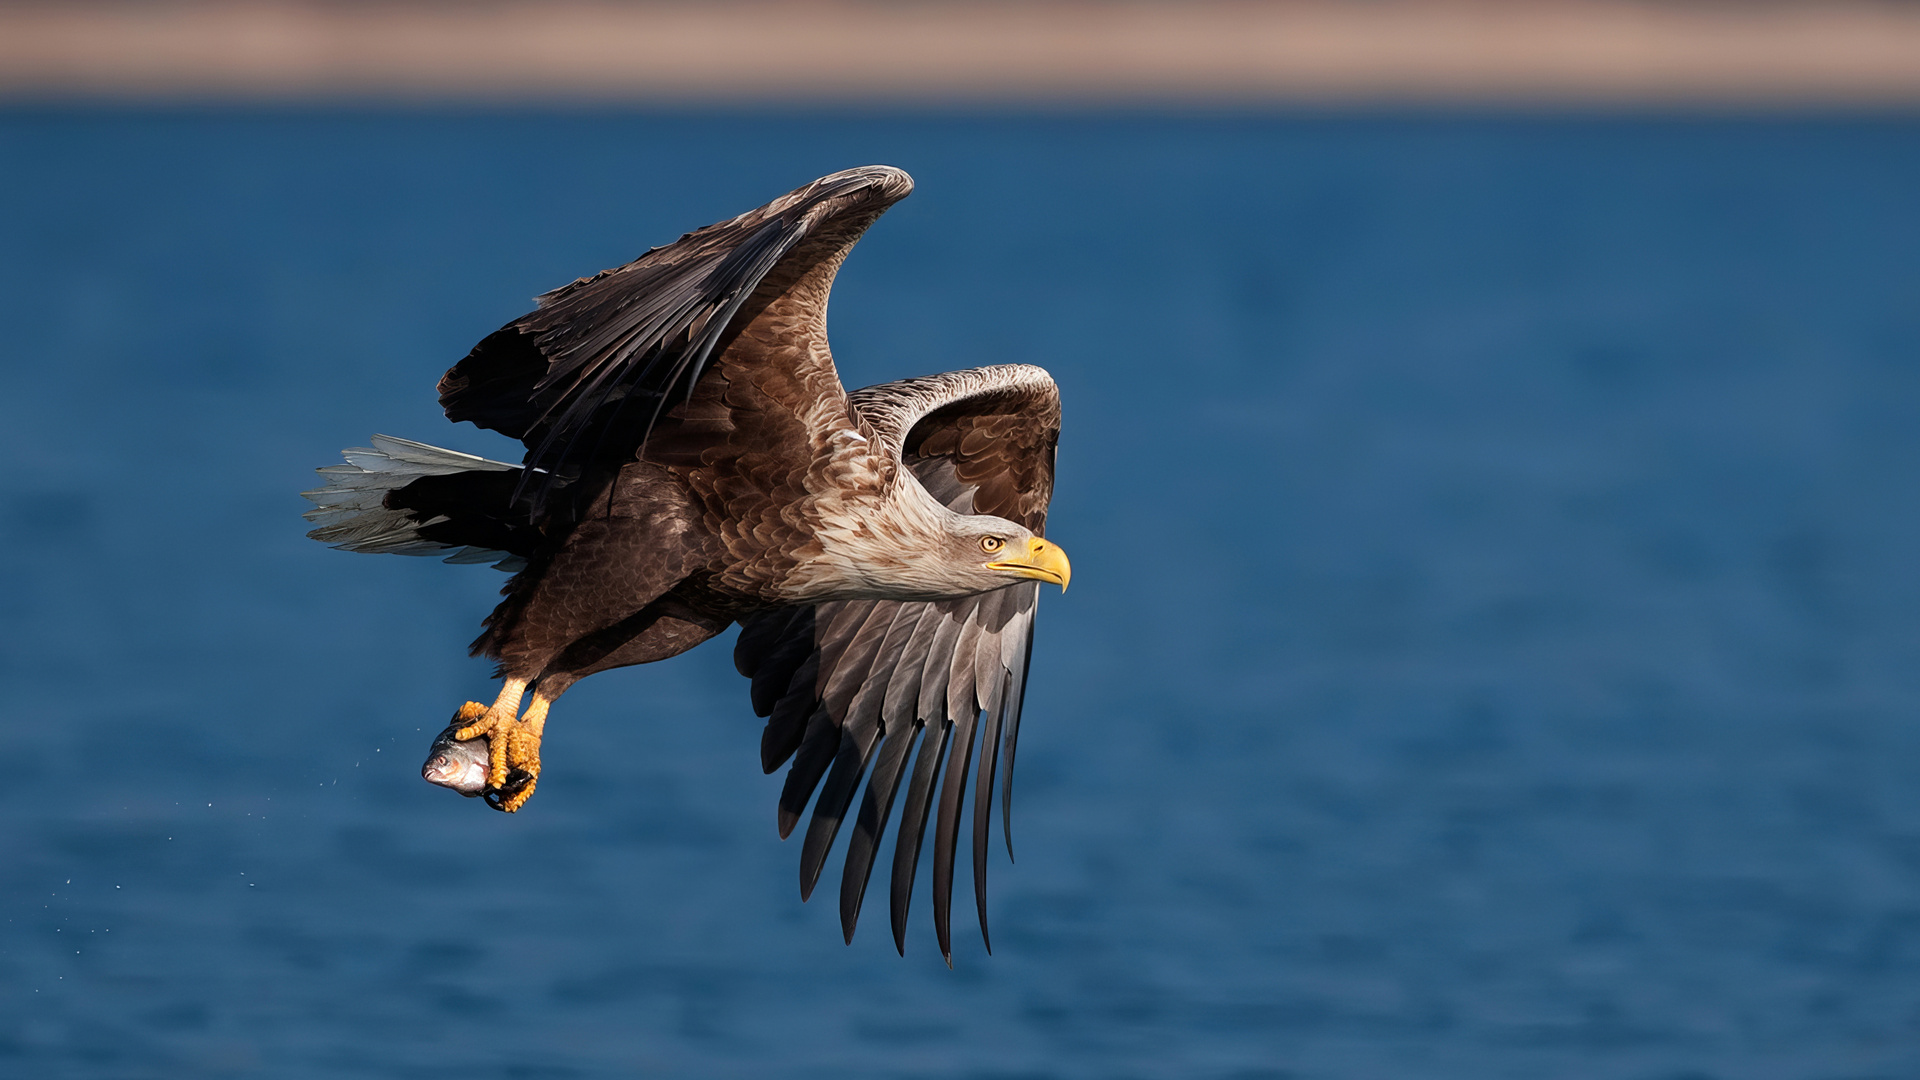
(853, 683)
(583, 379)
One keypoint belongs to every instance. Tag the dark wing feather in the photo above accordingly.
(583, 379)
(880, 673)
(871, 825)
(946, 834)
(817, 750)
(858, 739)
(983, 801)
(913, 826)
(1015, 695)
(787, 720)
(849, 765)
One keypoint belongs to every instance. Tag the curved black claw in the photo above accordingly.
(517, 781)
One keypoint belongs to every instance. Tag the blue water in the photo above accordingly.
(1494, 648)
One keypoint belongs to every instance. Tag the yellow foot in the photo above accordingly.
(513, 747)
(496, 726)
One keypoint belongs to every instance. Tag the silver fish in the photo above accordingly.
(455, 764)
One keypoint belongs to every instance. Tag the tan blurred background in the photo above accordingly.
(1847, 52)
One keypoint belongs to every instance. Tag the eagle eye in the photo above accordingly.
(991, 544)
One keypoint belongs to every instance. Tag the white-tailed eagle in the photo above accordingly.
(692, 462)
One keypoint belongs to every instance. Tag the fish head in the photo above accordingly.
(461, 766)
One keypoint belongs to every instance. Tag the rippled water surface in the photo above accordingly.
(1494, 648)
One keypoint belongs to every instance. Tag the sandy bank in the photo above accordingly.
(1599, 51)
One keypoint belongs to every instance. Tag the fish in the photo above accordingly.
(456, 763)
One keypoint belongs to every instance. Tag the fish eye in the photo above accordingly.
(991, 544)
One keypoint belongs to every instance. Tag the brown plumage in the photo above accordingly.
(693, 461)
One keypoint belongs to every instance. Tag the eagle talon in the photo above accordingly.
(513, 794)
(508, 796)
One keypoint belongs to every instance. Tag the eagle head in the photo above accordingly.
(914, 549)
(989, 552)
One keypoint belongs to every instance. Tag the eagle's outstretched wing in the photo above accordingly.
(583, 379)
(849, 684)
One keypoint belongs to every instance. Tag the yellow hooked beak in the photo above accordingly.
(1042, 561)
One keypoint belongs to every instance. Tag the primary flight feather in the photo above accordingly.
(692, 462)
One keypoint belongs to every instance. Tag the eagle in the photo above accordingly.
(692, 462)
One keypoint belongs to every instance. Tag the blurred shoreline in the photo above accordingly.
(759, 52)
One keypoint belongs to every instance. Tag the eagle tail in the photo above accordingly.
(401, 497)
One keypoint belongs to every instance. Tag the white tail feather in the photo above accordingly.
(350, 512)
